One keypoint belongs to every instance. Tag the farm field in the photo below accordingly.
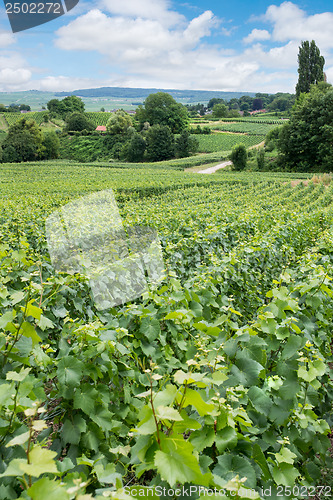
(11, 118)
(245, 128)
(225, 142)
(219, 377)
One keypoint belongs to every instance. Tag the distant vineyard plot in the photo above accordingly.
(225, 142)
(245, 128)
(98, 117)
(38, 116)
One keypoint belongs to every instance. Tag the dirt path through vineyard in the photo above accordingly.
(212, 170)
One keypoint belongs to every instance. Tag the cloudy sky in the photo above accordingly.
(190, 44)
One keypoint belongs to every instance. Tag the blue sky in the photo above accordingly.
(190, 44)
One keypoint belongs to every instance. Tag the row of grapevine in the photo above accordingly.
(217, 379)
(225, 142)
(12, 118)
(245, 127)
(98, 118)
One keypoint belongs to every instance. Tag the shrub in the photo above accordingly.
(134, 149)
(51, 145)
(186, 144)
(78, 122)
(261, 159)
(239, 157)
(160, 143)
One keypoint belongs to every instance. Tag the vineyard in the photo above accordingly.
(12, 118)
(225, 142)
(219, 378)
(98, 117)
(245, 128)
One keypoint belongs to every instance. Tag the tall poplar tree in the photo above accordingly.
(310, 67)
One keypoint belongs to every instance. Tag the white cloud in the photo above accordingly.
(157, 10)
(152, 54)
(14, 77)
(256, 34)
(150, 44)
(60, 83)
(6, 38)
(13, 71)
(292, 23)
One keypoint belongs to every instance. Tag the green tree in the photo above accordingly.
(186, 144)
(239, 157)
(213, 101)
(160, 143)
(305, 141)
(161, 109)
(51, 145)
(119, 123)
(310, 67)
(257, 104)
(69, 104)
(54, 106)
(24, 142)
(220, 110)
(134, 149)
(260, 159)
(78, 122)
(233, 113)
(271, 139)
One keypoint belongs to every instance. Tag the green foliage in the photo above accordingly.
(186, 144)
(38, 116)
(282, 102)
(51, 145)
(135, 148)
(160, 143)
(305, 142)
(161, 109)
(260, 159)
(98, 118)
(246, 127)
(225, 142)
(239, 157)
(78, 122)
(219, 378)
(310, 67)
(83, 148)
(220, 110)
(68, 105)
(272, 138)
(119, 123)
(23, 142)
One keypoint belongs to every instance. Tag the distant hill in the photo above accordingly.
(113, 97)
(140, 94)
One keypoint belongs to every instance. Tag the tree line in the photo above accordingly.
(305, 142)
(14, 108)
(158, 132)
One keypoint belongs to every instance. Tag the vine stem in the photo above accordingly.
(12, 415)
(154, 413)
(41, 282)
(18, 329)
